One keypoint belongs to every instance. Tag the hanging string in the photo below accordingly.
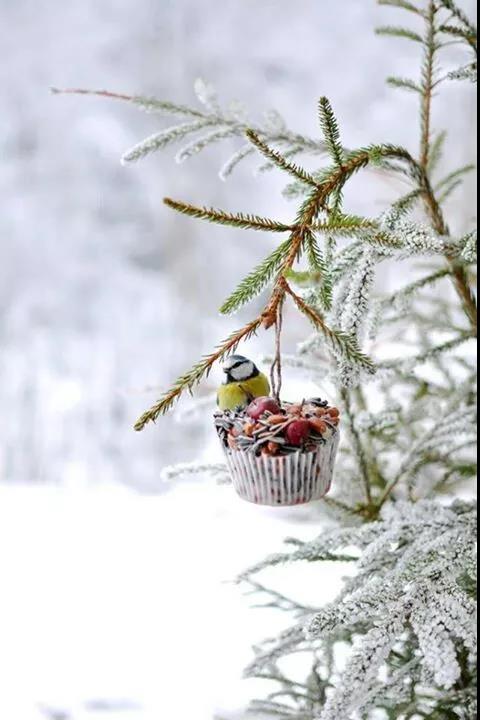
(276, 367)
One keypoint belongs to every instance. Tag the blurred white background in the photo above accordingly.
(112, 602)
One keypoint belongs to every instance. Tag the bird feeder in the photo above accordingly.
(280, 453)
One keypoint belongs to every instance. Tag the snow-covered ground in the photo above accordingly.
(118, 605)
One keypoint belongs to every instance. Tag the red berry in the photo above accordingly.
(297, 431)
(318, 425)
(262, 404)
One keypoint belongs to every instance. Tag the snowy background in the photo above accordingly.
(113, 602)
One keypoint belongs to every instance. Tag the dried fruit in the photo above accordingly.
(276, 419)
(248, 428)
(294, 410)
(272, 429)
(333, 412)
(297, 432)
(261, 405)
(318, 425)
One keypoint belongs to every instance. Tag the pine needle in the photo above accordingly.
(454, 176)
(433, 352)
(277, 158)
(404, 84)
(220, 217)
(196, 146)
(449, 190)
(317, 265)
(162, 139)
(234, 161)
(436, 151)
(345, 226)
(399, 32)
(410, 290)
(331, 132)
(403, 4)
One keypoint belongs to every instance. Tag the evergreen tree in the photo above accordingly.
(406, 616)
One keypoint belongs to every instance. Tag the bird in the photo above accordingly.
(243, 383)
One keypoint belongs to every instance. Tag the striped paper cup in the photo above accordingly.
(284, 480)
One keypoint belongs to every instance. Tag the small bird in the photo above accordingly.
(243, 383)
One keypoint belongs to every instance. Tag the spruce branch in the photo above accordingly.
(148, 104)
(234, 160)
(403, 4)
(427, 87)
(182, 470)
(454, 176)
(442, 349)
(403, 365)
(410, 290)
(340, 342)
(443, 429)
(345, 226)
(228, 123)
(461, 33)
(318, 266)
(431, 203)
(404, 84)
(220, 217)
(399, 32)
(162, 139)
(196, 146)
(459, 15)
(331, 132)
(257, 280)
(459, 275)
(449, 190)
(407, 202)
(314, 555)
(286, 154)
(332, 180)
(467, 72)
(191, 378)
(359, 449)
(281, 162)
(436, 151)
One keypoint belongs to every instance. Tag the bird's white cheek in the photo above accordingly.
(244, 372)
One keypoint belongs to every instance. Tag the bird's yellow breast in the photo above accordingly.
(239, 394)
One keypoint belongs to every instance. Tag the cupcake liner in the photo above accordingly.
(284, 480)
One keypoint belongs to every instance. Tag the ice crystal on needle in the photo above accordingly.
(408, 604)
